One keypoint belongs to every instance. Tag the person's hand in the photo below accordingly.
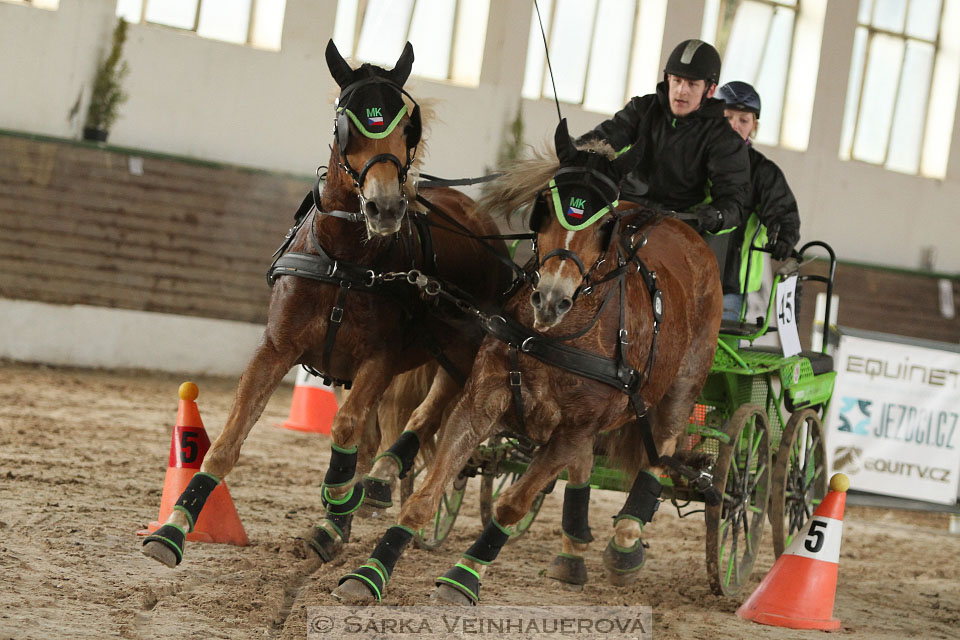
(709, 219)
(781, 250)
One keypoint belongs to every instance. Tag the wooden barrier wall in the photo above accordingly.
(78, 226)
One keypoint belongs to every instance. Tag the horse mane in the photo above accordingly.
(515, 191)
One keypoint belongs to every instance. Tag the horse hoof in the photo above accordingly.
(318, 541)
(571, 570)
(160, 552)
(377, 494)
(623, 565)
(448, 595)
(354, 592)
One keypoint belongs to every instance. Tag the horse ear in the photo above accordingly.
(627, 161)
(401, 70)
(341, 71)
(561, 139)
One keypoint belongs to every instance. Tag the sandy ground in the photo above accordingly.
(82, 460)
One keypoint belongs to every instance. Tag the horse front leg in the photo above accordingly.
(341, 495)
(471, 421)
(398, 460)
(568, 566)
(461, 584)
(263, 374)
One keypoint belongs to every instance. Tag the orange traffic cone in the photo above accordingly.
(799, 591)
(313, 406)
(218, 522)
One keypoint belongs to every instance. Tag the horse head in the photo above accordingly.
(376, 133)
(576, 223)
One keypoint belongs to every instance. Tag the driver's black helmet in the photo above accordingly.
(740, 96)
(694, 60)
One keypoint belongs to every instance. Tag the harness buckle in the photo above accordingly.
(336, 315)
(587, 290)
(333, 269)
(373, 278)
(623, 336)
(514, 378)
(525, 346)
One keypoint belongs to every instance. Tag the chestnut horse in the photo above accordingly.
(647, 312)
(342, 303)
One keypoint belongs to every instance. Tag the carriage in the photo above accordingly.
(759, 417)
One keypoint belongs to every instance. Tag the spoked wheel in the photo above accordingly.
(742, 475)
(799, 477)
(434, 534)
(508, 472)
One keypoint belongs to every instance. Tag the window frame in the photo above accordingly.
(248, 39)
(872, 31)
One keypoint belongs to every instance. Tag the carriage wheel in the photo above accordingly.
(433, 535)
(735, 527)
(799, 477)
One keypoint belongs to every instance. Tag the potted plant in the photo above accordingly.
(107, 93)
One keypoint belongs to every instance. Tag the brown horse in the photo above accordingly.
(617, 313)
(343, 305)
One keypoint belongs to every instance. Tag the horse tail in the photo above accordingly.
(405, 393)
(624, 449)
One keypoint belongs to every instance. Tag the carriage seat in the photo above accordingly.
(741, 329)
(819, 362)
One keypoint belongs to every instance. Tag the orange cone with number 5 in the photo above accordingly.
(800, 589)
(219, 521)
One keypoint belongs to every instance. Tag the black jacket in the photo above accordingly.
(681, 156)
(773, 202)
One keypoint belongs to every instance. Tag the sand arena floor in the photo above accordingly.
(82, 461)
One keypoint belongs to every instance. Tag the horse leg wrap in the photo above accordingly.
(378, 569)
(484, 551)
(170, 536)
(345, 505)
(486, 547)
(343, 464)
(643, 499)
(404, 451)
(325, 544)
(621, 560)
(576, 506)
(193, 498)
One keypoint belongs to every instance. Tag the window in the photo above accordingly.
(775, 46)
(255, 22)
(447, 35)
(53, 5)
(602, 51)
(902, 88)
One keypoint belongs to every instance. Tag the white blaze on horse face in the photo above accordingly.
(558, 282)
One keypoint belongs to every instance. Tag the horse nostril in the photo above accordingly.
(371, 209)
(535, 299)
(564, 305)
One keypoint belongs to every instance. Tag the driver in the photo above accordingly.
(690, 159)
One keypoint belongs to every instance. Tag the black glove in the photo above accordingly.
(781, 249)
(709, 219)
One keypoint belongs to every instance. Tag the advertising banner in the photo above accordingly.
(893, 420)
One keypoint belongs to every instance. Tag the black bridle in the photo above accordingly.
(341, 137)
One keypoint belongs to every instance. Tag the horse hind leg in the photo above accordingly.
(461, 584)
(418, 427)
(341, 495)
(568, 566)
(258, 382)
